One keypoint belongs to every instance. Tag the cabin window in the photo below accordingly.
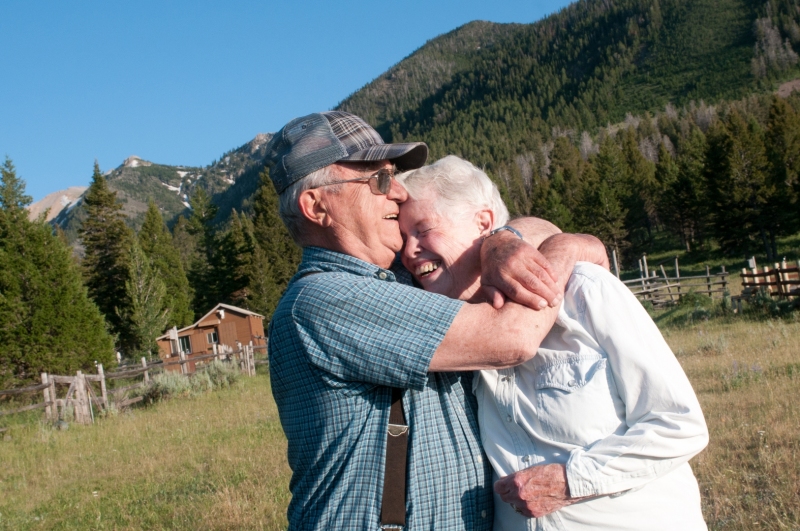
(211, 338)
(185, 344)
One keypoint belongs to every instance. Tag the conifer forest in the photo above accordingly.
(648, 123)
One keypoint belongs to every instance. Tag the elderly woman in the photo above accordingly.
(604, 409)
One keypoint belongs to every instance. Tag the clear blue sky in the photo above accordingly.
(181, 82)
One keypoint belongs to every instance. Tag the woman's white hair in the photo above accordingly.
(461, 189)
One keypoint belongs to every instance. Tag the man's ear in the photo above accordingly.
(314, 207)
(485, 221)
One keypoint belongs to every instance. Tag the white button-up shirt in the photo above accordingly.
(606, 397)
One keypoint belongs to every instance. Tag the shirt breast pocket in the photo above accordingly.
(577, 400)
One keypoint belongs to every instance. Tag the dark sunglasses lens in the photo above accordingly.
(384, 181)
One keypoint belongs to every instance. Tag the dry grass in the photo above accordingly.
(218, 461)
(747, 377)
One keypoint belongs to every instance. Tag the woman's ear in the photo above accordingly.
(314, 207)
(485, 221)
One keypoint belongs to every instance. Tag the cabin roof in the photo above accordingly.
(215, 309)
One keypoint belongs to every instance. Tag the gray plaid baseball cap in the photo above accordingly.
(311, 142)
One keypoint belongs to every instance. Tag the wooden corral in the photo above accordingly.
(225, 326)
(82, 399)
(781, 281)
(664, 290)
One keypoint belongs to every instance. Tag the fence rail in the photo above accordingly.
(781, 281)
(81, 396)
(664, 290)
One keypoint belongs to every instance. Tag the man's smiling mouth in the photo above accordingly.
(391, 216)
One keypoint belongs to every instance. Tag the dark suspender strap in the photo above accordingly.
(393, 506)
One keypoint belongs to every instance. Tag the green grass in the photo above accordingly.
(213, 461)
(218, 460)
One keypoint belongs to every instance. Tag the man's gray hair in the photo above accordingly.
(289, 207)
(461, 189)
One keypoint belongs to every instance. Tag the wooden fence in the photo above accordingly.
(81, 398)
(781, 281)
(663, 290)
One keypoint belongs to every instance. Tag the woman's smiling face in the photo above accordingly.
(443, 253)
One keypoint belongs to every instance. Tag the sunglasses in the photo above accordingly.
(379, 183)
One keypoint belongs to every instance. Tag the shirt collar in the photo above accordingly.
(319, 260)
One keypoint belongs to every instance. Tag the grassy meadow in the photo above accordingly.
(217, 461)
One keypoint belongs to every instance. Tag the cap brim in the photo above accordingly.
(408, 156)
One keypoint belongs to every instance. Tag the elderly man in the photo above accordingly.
(350, 329)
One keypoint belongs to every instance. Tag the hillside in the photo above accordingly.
(56, 202)
(500, 94)
(485, 90)
(136, 181)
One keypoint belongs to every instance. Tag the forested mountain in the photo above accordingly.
(622, 118)
(138, 181)
(486, 90)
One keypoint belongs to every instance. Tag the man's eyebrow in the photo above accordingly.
(365, 165)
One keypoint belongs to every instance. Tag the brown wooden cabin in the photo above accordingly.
(223, 325)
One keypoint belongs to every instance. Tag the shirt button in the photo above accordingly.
(480, 459)
(572, 383)
(508, 418)
(382, 275)
(483, 514)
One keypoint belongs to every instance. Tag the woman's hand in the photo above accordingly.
(536, 491)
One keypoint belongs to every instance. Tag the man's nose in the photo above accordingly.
(397, 192)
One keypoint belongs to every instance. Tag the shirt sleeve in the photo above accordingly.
(666, 427)
(359, 329)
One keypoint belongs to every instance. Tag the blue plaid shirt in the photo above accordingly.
(337, 342)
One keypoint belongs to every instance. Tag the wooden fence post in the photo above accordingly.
(82, 414)
(183, 363)
(708, 280)
(48, 408)
(103, 391)
(669, 288)
(724, 281)
(146, 372)
(52, 383)
(779, 279)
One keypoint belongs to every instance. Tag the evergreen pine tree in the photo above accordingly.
(601, 212)
(156, 242)
(12, 198)
(184, 242)
(738, 184)
(146, 315)
(691, 188)
(641, 190)
(566, 159)
(555, 211)
(201, 273)
(233, 258)
(271, 235)
(106, 240)
(783, 142)
(47, 321)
